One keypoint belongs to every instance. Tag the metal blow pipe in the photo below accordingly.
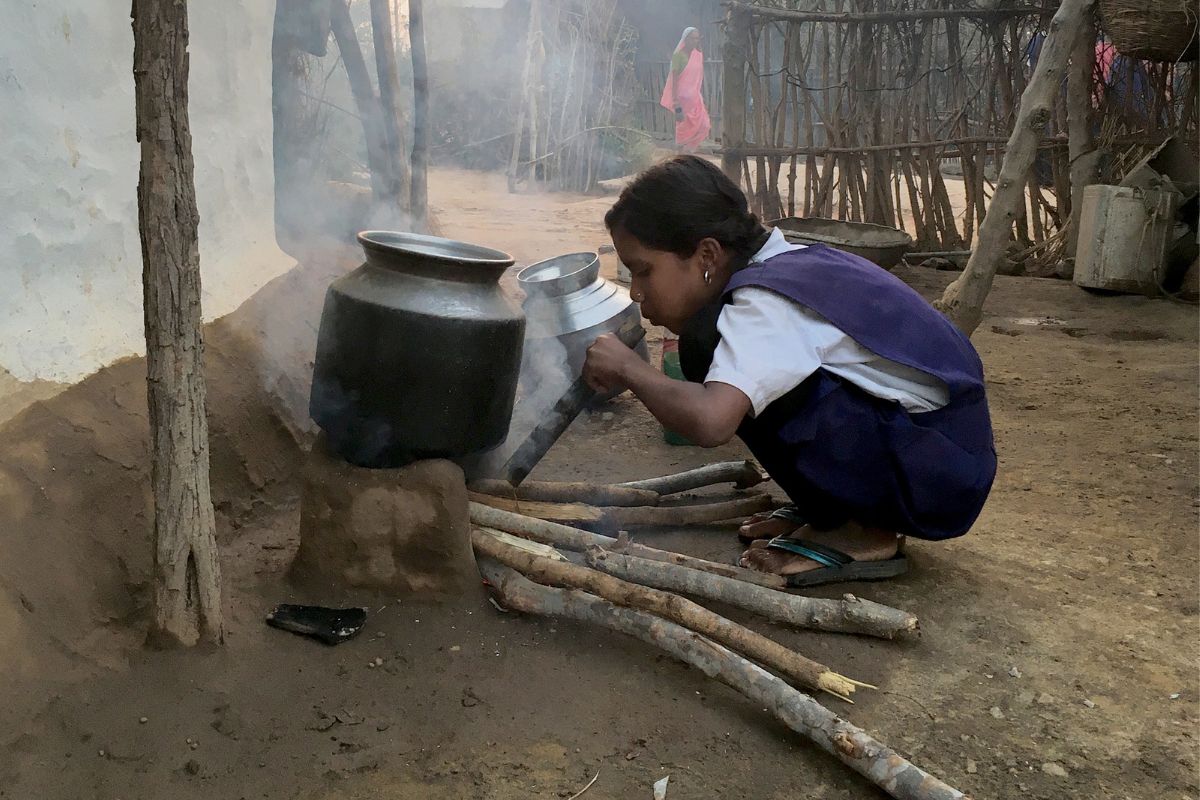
(565, 410)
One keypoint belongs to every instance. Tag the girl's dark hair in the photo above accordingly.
(673, 205)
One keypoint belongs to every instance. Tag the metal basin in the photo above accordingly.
(878, 244)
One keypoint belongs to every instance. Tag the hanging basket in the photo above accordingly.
(1153, 30)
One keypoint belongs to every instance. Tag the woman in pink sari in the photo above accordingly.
(682, 92)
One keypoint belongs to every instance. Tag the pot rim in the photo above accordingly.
(552, 285)
(434, 248)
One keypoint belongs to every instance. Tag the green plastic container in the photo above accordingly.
(671, 368)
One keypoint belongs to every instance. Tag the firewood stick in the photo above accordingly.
(743, 474)
(670, 606)
(849, 615)
(573, 513)
(699, 514)
(613, 517)
(568, 538)
(597, 494)
(849, 744)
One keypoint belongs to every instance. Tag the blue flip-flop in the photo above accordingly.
(790, 513)
(836, 565)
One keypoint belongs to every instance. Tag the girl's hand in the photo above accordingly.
(607, 361)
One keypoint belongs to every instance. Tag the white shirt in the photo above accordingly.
(770, 345)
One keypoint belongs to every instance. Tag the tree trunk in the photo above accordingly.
(733, 111)
(963, 299)
(389, 95)
(291, 184)
(1081, 146)
(523, 99)
(366, 101)
(420, 146)
(187, 590)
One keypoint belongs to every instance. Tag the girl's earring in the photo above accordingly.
(707, 277)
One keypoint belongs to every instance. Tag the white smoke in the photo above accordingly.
(546, 375)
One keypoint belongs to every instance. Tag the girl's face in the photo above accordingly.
(693, 40)
(670, 289)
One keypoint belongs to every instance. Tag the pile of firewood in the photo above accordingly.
(536, 564)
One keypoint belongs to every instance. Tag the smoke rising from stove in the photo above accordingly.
(324, 188)
(546, 374)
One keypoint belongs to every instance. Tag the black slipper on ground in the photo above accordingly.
(328, 625)
(790, 513)
(837, 566)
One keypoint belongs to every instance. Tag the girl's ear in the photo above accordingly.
(710, 251)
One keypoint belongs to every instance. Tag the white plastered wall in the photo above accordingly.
(70, 258)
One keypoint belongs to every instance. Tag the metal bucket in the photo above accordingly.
(1124, 233)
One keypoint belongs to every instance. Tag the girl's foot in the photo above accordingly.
(857, 541)
(769, 524)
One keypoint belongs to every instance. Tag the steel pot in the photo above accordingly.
(419, 352)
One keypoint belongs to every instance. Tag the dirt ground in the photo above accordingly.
(1058, 656)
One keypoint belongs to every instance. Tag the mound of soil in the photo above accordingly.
(75, 501)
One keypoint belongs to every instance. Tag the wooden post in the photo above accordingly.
(733, 113)
(420, 147)
(187, 571)
(963, 299)
(1081, 147)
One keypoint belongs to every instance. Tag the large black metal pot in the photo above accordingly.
(418, 352)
